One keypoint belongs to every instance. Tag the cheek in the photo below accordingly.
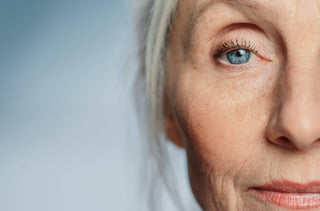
(223, 123)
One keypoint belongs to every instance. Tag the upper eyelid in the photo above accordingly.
(233, 45)
(243, 25)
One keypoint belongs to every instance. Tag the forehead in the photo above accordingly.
(272, 8)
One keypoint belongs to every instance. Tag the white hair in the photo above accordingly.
(155, 18)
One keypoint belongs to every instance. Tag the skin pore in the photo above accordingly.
(248, 124)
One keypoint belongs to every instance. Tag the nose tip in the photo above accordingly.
(296, 125)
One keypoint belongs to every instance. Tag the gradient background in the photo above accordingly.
(68, 133)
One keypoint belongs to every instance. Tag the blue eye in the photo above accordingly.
(236, 53)
(238, 56)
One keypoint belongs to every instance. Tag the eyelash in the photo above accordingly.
(233, 45)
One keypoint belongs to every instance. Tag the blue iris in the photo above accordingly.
(239, 56)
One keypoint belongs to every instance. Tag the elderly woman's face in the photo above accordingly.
(243, 92)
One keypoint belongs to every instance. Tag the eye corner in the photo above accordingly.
(217, 55)
(267, 59)
(263, 58)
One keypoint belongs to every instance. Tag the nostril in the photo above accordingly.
(317, 143)
(284, 142)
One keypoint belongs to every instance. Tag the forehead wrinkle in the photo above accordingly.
(252, 9)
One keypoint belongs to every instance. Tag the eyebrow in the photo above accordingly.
(251, 9)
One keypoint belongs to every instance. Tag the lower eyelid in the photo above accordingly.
(222, 66)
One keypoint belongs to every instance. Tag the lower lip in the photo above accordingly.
(288, 200)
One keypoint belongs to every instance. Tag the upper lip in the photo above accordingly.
(286, 186)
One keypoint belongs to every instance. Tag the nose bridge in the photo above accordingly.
(301, 95)
(301, 77)
(301, 80)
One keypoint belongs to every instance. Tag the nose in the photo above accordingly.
(295, 123)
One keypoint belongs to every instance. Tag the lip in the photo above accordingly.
(288, 194)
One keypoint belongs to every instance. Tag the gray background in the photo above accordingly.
(68, 133)
(64, 99)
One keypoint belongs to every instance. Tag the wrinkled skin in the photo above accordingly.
(244, 125)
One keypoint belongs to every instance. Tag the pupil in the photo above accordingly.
(238, 54)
